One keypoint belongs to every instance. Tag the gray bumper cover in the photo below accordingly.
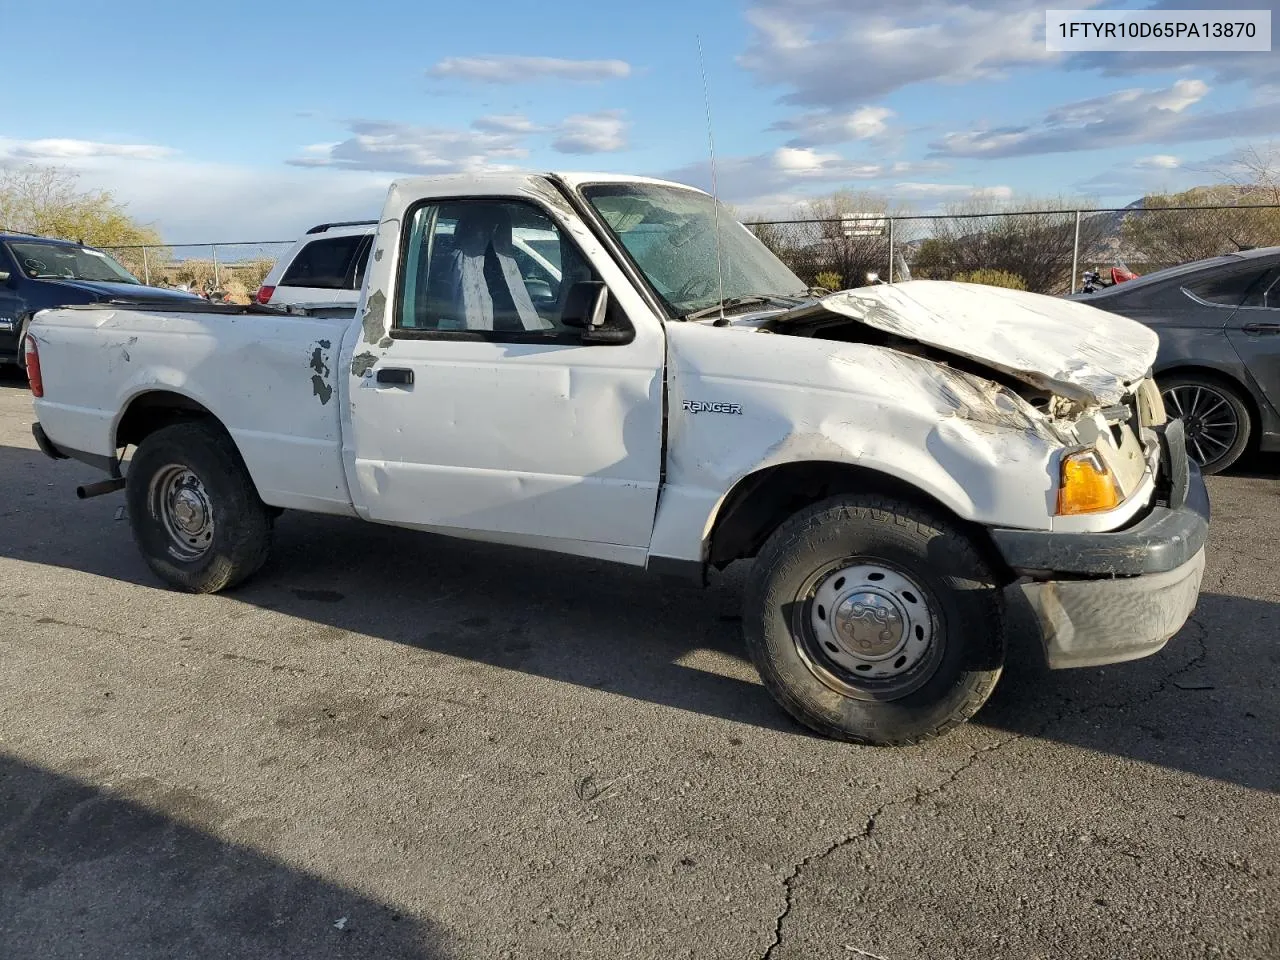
(1108, 597)
(1086, 623)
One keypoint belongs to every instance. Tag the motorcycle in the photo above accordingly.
(1093, 280)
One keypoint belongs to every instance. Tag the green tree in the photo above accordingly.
(50, 202)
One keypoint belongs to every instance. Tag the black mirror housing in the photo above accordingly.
(585, 305)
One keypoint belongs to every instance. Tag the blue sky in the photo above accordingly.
(249, 121)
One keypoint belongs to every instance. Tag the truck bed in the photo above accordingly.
(100, 362)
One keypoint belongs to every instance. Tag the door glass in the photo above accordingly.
(1272, 296)
(490, 266)
(1240, 287)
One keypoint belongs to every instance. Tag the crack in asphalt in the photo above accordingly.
(920, 795)
(1165, 682)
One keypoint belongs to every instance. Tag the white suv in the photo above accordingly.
(323, 269)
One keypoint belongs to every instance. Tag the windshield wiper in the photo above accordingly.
(728, 303)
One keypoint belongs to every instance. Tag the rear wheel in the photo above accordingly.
(195, 513)
(874, 621)
(1216, 418)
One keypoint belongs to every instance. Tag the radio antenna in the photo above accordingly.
(715, 191)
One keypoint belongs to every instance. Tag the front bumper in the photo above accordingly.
(1108, 597)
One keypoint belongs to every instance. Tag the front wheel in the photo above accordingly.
(195, 512)
(874, 621)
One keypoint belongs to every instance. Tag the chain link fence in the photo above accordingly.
(1044, 251)
(235, 270)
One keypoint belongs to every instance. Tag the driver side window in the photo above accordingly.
(497, 269)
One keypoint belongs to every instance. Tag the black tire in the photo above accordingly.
(1210, 448)
(20, 364)
(963, 607)
(191, 558)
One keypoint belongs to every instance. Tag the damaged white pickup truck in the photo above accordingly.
(601, 366)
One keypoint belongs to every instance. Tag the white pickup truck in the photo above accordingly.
(638, 379)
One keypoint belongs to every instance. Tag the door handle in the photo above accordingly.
(398, 376)
(1258, 329)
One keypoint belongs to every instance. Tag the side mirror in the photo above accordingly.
(585, 306)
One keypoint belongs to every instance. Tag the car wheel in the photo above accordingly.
(1215, 416)
(195, 512)
(874, 621)
(21, 362)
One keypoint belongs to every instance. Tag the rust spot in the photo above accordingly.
(321, 389)
(372, 321)
(362, 363)
(320, 385)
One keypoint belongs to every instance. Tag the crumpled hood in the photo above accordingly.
(1067, 348)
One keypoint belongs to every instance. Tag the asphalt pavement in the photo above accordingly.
(394, 745)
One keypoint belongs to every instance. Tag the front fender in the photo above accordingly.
(968, 443)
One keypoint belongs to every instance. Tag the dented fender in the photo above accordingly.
(970, 443)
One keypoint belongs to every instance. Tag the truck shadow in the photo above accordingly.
(1206, 705)
(122, 873)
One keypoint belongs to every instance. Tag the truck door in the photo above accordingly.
(483, 414)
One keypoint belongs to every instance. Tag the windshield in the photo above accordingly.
(55, 261)
(671, 234)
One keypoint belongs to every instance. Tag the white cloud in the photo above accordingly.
(399, 147)
(56, 150)
(948, 191)
(1175, 99)
(1160, 161)
(1259, 70)
(494, 142)
(602, 132)
(506, 123)
(836, 126)
(768, 183)
(510, 69)
(803, 162)
(193, 202)
(837, 53)
(1123, 118)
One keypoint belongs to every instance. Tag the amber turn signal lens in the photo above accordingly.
(1087, 485)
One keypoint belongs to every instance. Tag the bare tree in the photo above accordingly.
(841, 236)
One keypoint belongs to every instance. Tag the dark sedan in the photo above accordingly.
(1219, 360)
(37, 273)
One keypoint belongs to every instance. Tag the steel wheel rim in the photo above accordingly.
(179, 501)
(867, 629)
(1212, 427)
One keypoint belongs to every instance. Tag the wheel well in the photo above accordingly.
(760, 502)
(1227, 380)
(148, 412)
